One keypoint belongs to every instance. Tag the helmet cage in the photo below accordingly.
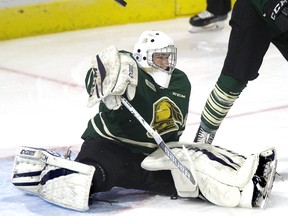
(171, 50)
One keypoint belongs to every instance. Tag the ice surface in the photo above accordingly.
(43, 104)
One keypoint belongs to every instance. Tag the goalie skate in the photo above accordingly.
(264, 178)
(203, 137)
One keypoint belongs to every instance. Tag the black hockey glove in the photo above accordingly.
(277, 10)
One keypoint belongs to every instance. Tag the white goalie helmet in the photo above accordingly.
(155, 43)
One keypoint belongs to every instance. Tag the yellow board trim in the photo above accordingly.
(190, 7)
(66, 15)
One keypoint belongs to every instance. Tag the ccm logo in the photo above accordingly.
(277, 8)
(27, 152)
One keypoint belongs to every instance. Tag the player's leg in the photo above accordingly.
(213, 18)
(248, 43)
(117, 165)
(218, 104)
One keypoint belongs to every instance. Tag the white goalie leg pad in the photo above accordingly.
(246, 195)
(160, 161)
(183, 186)
(60, 181)
(216, 192)
(213, 190)
(225, 166)
(221, 174)
(27, 170)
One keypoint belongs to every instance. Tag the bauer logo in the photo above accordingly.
(27, 152)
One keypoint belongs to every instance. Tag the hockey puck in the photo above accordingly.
(121, 2)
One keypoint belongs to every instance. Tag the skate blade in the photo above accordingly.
(211, 27)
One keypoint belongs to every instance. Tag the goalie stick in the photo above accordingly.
(183, 169)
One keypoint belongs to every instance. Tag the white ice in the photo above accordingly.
(43, 104)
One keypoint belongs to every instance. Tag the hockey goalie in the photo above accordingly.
(119, 152)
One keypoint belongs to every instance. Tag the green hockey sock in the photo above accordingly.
(220, 100)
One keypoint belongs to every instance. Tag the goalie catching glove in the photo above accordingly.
(112, 74)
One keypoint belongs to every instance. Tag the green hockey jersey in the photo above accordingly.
(165, 109)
